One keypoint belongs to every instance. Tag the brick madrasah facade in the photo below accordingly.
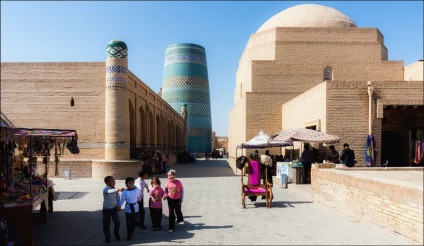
(112, 110)
(309, 66)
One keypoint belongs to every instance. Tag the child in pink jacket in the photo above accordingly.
(155, 203)
(174, 193)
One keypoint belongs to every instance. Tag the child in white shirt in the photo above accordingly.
(130, 196)
(140, 183)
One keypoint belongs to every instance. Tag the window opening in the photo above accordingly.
(328, 73)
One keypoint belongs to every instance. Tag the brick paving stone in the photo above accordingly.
(213, 215)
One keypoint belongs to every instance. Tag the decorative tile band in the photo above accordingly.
(117, 79)
(199, 132)
(186, 47)
(116, 87)
(116, 52)
(185, 82)
(193, 108)
(116, 69)
(174, 96)
(199, 122)
(185, 58)
(198, 108)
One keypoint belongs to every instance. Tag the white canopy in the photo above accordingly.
(262, 140)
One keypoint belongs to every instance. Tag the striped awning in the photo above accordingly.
(23, 132)
(305, 135)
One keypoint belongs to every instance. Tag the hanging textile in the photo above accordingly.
(422, 150)
(370, 153)
(418, 151)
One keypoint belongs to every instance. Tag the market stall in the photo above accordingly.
(294, 169)
(262, 140)
(24, 187)
(289, 172)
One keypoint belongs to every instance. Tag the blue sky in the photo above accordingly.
(78, 31)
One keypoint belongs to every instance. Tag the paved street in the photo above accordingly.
(213, 215)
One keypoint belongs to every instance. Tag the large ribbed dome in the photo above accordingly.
(308, 15)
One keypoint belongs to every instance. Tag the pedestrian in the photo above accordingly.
(156, 194)
(307, 159)
(348, 156)
(168, 161)
(193, 156)
(140, 183)
(110, 208)
(174, 193)
(130, 196)
(334, 156)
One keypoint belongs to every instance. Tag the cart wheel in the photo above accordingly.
(43, 212)
(51, 196)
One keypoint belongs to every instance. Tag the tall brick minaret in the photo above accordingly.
(117, 134)
(185, 81)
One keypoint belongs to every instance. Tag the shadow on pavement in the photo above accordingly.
(204, 168)
(181, 233)
(85, 228)
(285, 204)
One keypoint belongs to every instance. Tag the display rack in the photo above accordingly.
(23, 187)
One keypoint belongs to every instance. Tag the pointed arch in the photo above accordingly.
(151, 128)
(143, 125)
(164, 131)
(178, 137)
(132, 125)
(158, 131)
(170, 129)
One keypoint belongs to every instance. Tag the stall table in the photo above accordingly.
(297, 174)
(294, 173)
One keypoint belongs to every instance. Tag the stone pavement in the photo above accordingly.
(213, 215)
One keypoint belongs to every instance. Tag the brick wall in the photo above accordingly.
(395, 206)
(38, 95)
(117, 169)
(97, 169)
(79, 168)
(237, 128)
(347, 109)
(308, 107)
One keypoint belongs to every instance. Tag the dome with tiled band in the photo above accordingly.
(308, 15)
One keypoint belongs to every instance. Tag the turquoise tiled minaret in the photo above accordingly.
(185, 81)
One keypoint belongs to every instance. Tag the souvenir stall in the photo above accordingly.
(24, 187)
(262, 140)
(294, 169)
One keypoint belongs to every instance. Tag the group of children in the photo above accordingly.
(133, 196)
